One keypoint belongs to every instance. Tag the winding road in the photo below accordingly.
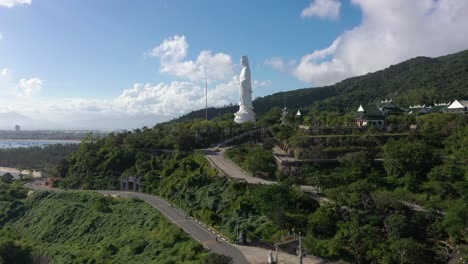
(197, 231)
(230, 169)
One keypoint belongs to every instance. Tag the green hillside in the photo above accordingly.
(420, 80)
(85, 227)
(365, 222)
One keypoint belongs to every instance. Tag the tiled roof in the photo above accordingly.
(438, 108)
(419, 110)
(387, 105)
(371, 111)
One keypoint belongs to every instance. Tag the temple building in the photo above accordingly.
(131, 183)
(375, 114)
(419, 109)
(458, 107)
(387, 107)
(439, 108)
(369, 115)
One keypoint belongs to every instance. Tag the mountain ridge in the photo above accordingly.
(420, 80)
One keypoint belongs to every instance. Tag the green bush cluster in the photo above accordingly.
(254, 159)
(36, 158)
(86, 227)
(369, 222)
(260, 212)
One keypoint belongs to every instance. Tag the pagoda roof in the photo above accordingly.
(438, 108)
(458, 105)
(387, 104)
(371, 111)
(419, 110)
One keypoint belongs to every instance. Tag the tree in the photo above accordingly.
(271, 117)
(356, 164)
(10, 252)
(396, 226)
(285, 132)
(456, 221)
(457, 145)
(412, 159)
(358, 239)
(214, 258)
(323, 222)
(407, 250)
(7, 177)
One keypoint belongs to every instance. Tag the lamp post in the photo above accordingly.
(300, 248)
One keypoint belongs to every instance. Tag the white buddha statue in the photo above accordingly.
(245, 113)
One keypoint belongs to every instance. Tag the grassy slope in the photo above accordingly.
(84, 227)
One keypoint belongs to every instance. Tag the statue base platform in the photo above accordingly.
(244, 115)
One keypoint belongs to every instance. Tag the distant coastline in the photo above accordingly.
(27, 143)
(51, 134)
(15, 172)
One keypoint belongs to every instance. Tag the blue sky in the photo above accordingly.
(98, 62)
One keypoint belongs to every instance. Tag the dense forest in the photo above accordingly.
(368, 219)
(85, 227)
(373, 188)
(35, 158)
(420, 80)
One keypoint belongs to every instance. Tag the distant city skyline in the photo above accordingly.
(112, 64)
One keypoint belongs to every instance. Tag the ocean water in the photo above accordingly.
(26, 143)
(15, 173)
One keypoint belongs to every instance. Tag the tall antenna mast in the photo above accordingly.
(206, 96)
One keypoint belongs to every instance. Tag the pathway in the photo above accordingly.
(200, 233)
(230, 169)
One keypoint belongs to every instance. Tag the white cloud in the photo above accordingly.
(280, 64)
(178, 98)
(390, 32)
(165, 99)
(11, 88)
(276, 63)
(258, 84)
(139, 105)
(142, 104)
(5, 81)
(26, 87)
(4, 72)
(323, 8)
(173, 51)
(1, 36)
(12, 3)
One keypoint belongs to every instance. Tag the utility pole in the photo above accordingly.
(300, 248)
(237, 232)
(276, 253)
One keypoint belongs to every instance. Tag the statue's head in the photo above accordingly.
(244, 61)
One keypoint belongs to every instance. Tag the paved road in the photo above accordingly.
(39, 185)
(231, 170)
(194, 229)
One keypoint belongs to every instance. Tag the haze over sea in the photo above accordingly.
(26, 143)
